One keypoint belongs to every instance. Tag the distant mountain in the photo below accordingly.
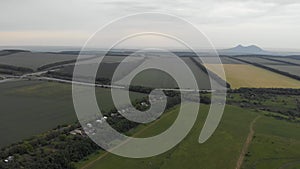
(243, 50)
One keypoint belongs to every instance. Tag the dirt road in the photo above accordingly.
(246, 144)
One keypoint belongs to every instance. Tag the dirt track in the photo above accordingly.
(246, 144)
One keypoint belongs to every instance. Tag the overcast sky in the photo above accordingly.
(266, 23)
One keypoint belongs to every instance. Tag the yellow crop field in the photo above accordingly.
(244, 75)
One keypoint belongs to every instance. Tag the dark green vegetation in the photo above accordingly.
(32, 107)
(53, 149)
(278, 103)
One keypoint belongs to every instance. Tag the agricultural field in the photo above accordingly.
(159, 79)
(282, 64)
(215, 60)
(260, 60)
(220, 151)
(291, 69)
(106, 68)
(287, 59)
(245, 75)
(32, 107)
(34, 60)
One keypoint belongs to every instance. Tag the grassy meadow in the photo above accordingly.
(276, 144)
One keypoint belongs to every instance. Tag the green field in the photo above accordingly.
(220, 151)
(159, 79)
(276, 145)
(32, 107)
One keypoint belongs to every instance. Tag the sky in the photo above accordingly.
(270, 24)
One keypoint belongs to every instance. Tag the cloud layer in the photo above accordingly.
(268, 23)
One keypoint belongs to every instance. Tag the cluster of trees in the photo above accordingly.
(56, 149)
(274, 91)
(272, 100)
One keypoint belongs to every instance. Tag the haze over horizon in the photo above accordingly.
(269, 24)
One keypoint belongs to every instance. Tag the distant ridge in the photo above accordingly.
(11, 51)
(243, 50)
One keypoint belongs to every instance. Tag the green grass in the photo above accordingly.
(155, 79)
(276, 143)
(220, 151)
(32, 107)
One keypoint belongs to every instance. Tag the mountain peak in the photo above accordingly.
(250, 48)
(241, 49)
